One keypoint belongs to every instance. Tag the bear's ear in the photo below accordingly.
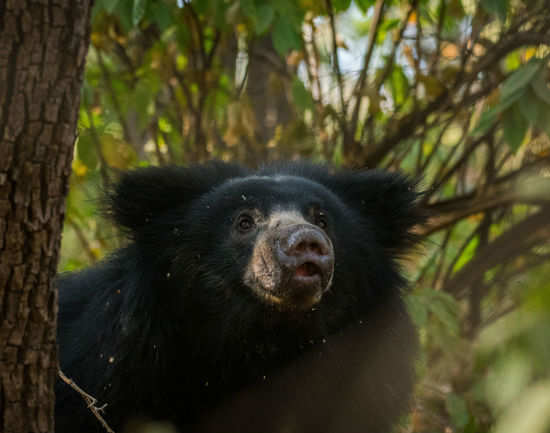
(390, 200)
(144, 193)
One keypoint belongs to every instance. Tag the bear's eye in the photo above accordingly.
(245, 223)
(321, 220)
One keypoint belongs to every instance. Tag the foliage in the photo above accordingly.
(454, 92)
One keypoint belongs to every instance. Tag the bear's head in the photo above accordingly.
(287, 238)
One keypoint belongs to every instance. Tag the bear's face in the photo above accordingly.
(276, 233)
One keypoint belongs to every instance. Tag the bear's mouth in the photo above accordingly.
(308, 269)
(296, 287)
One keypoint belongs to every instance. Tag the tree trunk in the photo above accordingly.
(43, 47)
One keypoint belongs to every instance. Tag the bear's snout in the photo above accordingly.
(306, 256)
(292, 266)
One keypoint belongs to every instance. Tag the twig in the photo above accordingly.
(440, 22)
(337, 69)
(89, 399)
(409, 123)
(114, 99)
(103, 165)
(373, 32)
(391, 58)
(532, 231)
(442, 252)
(82, 239)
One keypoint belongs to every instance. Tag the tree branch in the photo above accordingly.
(533, 230)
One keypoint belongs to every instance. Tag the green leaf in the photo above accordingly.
(386, 26)
(341, 5)
(249, 8)
(513, 60)
(162, 15)
(497, 7)
(446, 315)
(514, 126)
(507, 99)
(290, 10)
(263, 18)
(417, 309)
(138, 11)
(364, 5)
(301, 95)
(543, 121)
(520, 78)
(110, 6)
(529, 105)
(456, 407)
(467, 254)
(486, 120)
(446, 299)
(285, 37)
(86, 151)
(540, 86)
(124, 12)
(399, 85)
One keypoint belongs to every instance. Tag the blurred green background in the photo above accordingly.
(454, 92)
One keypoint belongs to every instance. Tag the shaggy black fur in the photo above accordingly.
(165, 329)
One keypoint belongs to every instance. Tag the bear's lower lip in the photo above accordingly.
(293, 303)
(305, 282)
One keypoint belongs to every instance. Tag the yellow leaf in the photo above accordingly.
(449, 51)
(241, 28)
(96, 39)
(294, 58)
(79, 168)
(529, 52)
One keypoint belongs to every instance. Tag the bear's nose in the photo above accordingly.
(305, 240)
(306, 253)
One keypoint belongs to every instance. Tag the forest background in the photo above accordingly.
(453, 92)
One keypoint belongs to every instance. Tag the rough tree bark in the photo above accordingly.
(43, 46)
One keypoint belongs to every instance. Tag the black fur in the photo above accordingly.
(165, 329)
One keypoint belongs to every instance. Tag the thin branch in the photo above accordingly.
(458, 255)
(82, 239)
(373, 33)
(90, 400)
(391, 58)
(103, 165)
(200, 35)
(213, 49)
(409, 123)
(114, 99)
(442, 254)
(476, 287)
(336, 61)
(317, 58)
(533, 230)
(440, 22)
(437, 183)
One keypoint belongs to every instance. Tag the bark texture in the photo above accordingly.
(43, 46)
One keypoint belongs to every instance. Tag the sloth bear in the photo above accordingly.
(245, 301)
